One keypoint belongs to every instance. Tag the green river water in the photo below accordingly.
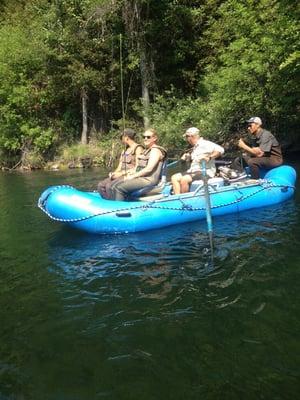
(139, 316)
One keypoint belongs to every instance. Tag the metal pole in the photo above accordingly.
(208, 208)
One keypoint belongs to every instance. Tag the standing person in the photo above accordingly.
(267, 152)
(202, 150)
(127, 163)
(148, 170)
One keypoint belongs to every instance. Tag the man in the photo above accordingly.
(127, 163)
(148, 170)
(267, 152)
(202, 150)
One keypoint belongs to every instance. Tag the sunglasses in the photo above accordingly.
(147, 137)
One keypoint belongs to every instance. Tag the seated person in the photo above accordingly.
(202, 150)
(148, 170)
(265, 154)
(127, 162)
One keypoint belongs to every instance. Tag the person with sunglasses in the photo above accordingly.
(148, 170)
(202, 149)
(266, 152)
(127, 163)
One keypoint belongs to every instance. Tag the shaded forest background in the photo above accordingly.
(75, 72)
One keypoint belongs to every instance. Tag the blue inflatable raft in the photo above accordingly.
(89, 212)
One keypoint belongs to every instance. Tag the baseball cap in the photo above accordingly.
(128, 132)
(192, 132)
(255, 120)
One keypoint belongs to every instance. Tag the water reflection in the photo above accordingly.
(88, 316)
(170, 266)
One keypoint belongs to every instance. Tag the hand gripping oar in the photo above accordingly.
(208, 208)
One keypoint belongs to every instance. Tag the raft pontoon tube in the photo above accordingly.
(89, 212)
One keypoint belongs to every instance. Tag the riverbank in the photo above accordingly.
(95, 154)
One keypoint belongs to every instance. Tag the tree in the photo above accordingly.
(22, 91)
(255, 69)
(80, 42)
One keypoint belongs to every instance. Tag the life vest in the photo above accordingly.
(143, 160)
(128, 158)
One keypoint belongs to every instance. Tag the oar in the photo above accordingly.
(171, 164)
(208, 209)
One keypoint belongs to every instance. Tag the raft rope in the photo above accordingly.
(155, 203)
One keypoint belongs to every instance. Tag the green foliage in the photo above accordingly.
(41, 139)
(210, 63)
(20, 59)
(103, 154)
(75, 152)
(172, 116)
(33, 160)
(257, 64)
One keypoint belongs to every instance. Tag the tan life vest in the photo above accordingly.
(128, 158)
(143, 160)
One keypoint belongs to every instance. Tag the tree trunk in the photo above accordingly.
(135, 17)
(84, 132)
(145, 85)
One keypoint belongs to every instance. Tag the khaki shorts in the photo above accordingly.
(195, 175)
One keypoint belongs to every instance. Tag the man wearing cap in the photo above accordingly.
(202, 150)
(267, 152)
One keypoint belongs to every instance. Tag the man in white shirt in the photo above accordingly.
(202, 150)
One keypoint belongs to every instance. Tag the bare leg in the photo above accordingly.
(185, 182)
(175, 179)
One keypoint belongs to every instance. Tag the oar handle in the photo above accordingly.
(204, 173)
(172, 163)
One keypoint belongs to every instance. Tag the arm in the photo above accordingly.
(138, 152)
(211, 156)
(186, 156)
(118, 171)
(213, 151)
(255, 151)
(215, 154)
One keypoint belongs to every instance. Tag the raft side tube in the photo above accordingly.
(283, 175)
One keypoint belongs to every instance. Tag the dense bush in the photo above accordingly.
(75, 70)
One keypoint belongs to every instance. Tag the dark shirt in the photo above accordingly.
(268, 144)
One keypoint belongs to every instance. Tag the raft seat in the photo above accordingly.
(214, 183)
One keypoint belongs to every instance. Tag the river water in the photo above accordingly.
(145, 316)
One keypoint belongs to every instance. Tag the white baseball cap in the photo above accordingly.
(192, 132)
(255, 120)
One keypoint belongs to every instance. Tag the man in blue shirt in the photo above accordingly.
(267, 151)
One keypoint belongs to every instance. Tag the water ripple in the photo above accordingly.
(169, 267)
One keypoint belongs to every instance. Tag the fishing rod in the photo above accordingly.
(121, 79)
(122, 94)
